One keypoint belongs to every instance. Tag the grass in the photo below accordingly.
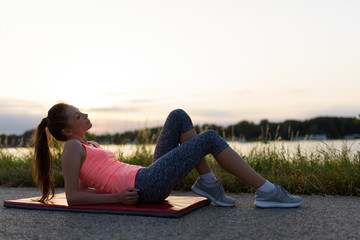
(324, 171)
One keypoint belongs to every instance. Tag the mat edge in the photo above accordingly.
(11, 204)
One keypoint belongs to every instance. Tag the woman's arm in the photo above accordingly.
(83, 187)
(75, 195)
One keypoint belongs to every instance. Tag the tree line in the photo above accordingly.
(327, 127)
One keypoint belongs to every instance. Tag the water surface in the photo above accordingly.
(243, 148)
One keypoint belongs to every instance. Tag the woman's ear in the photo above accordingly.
(67, 132)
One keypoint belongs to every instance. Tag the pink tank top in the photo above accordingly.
(105, 173)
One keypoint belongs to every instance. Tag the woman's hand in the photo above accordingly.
(129, 196)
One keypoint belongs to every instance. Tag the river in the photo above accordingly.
(244, 148)
(306, 146)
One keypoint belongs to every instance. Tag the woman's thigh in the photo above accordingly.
(156, 181)
(177, 123)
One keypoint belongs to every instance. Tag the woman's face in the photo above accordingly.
(78, 121)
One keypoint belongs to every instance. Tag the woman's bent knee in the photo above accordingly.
(180, 118)
(211, 133)
(217, 143)
(178, 112)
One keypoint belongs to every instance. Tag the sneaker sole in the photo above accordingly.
(204, 194)
(267, 204)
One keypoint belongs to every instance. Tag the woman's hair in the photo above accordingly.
(43, 161)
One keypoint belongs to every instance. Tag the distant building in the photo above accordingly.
(311, 137)
(318, 137)
(352, 136)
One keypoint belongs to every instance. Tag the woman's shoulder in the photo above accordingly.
(73, 145)
(73, 148)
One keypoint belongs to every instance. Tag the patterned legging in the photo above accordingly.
(172, 162)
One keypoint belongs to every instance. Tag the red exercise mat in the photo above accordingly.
(173, 206)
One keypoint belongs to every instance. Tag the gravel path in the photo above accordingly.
(330, 217)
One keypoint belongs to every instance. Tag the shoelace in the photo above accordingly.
(281, 191)
(220, 190)
(278, 193)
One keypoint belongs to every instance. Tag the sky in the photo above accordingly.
(129, 63)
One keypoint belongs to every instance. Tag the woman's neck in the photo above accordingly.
(81, 139)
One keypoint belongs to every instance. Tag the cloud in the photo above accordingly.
(343, 111)
(211, 113)
(18, 123)
(20, 106)
(144, 100)
(141, 91)
(18, 116)
(114, 109)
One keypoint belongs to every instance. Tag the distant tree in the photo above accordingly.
(356, 120)
(333, 127)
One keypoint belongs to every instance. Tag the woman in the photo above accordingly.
(86, 164)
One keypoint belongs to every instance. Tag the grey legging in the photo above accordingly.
(172, 162)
